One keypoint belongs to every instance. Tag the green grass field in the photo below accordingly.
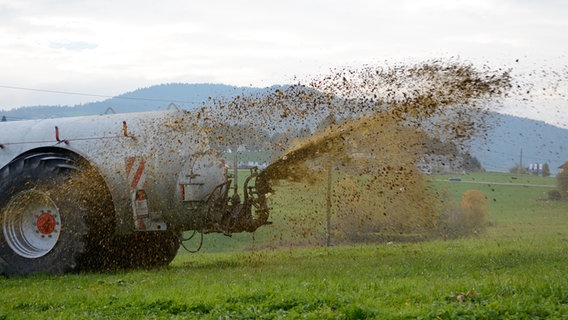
(517, 269)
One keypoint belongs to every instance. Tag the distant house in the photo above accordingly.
(564, 166)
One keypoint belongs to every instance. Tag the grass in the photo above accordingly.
(516, 270)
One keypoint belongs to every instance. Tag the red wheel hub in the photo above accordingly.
(46, 223)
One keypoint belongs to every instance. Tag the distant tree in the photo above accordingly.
(562, 181)
(545, 170)
(434, 145)
(3, 119)
(471, 163)
(518, 169)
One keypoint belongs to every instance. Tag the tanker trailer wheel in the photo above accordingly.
(43, 215)
(145, 249)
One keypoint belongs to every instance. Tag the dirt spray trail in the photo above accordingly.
(379, 129)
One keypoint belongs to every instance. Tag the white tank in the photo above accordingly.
(151, 175)
(140, 151)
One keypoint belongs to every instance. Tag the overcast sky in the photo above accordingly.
(108, 47)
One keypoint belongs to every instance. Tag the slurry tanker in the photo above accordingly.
(115, 191)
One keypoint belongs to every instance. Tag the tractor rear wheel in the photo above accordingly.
(48, 206)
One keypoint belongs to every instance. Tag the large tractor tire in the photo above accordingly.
(53, 212)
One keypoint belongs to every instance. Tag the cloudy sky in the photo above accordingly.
(111, 47)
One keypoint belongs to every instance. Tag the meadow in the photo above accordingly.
(516, 269)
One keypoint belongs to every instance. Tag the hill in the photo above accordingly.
(513, 140)
(159, 97)
(508, 137)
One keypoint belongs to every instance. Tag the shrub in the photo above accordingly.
(562, 183)
(554, 195)
(474, 203)
(466, 219)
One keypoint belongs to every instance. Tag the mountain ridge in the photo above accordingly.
(510, 139)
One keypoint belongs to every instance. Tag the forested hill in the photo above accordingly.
(510, 141)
